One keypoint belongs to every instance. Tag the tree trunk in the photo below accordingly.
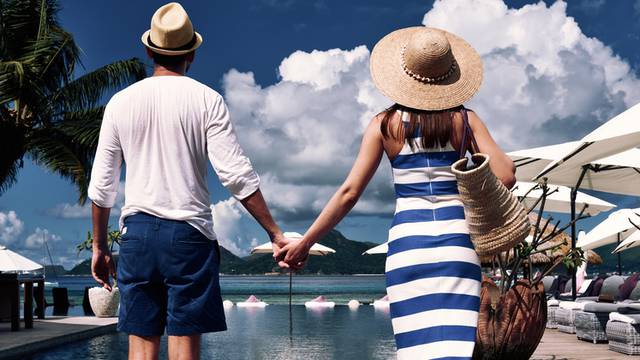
(510, 326)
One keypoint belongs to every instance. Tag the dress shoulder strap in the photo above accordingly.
(468, 140)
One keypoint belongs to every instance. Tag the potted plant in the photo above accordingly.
(104, 303)
(513, 308)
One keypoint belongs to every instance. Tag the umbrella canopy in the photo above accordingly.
(619, 173)
(616, 227)
(559, 199)
(631, 241)
(13, 262)
(316, 249)
(380, 249)
(616, 135)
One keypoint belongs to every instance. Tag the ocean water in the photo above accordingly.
(338, 333)
(272, 289)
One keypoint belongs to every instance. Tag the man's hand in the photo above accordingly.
(278, 242)
(295, 254)
(102, 266)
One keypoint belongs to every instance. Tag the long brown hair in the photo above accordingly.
(435, 127)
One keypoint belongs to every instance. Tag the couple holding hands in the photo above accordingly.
(168, 126)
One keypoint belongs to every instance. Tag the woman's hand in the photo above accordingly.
(294, 254)
(278, 242)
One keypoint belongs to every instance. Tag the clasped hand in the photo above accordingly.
(290, 253)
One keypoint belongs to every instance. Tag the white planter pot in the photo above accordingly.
(104, 303)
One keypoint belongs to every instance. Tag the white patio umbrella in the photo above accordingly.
(619, 173)
(316, 249)
(616, 135)
(559, 199)
(380, 249)
(13, 262)
(631, 241)
(615, 228)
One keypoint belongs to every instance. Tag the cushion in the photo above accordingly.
(547, 281)
(626, 318)
(607, 307)
(600, 307)
(635, 293)
(573, 305)
(628, 309)
(624, 290)
(610, 286)
(597, 286)
(585, 286)
(553, 302)
(567, 287)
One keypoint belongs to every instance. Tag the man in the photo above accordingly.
(164, 128)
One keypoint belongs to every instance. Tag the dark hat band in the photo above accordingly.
(187, 46)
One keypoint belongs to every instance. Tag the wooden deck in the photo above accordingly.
(51, 332)
(556, 345)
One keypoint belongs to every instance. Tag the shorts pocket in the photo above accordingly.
(187, 235)
(133, 239)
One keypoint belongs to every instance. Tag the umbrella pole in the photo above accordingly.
(574, 194)
(290, 307)
(619, 263)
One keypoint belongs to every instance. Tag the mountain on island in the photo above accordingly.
(348, 259)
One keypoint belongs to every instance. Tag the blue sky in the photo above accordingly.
(586, 50)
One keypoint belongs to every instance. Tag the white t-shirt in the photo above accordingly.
(165, 128)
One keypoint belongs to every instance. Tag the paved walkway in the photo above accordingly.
(51, 332)
(556, 345)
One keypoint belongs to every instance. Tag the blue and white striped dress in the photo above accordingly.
(432, 270)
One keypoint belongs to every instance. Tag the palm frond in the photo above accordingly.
(89, 89)
(83, 126)
(12, 138)
(52, 149)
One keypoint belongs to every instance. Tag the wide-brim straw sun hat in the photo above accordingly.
(171, 31)
(426, 68)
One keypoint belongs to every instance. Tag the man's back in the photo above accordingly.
(165, 128)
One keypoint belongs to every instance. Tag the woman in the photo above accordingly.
(432, 271)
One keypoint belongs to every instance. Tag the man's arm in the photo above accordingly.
(102, 265)
(103, 189)
(236, 172)
(257, 207)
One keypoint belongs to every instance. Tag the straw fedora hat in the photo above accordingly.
(426, 68)
(171, 31)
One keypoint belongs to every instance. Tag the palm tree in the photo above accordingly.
(46, 113)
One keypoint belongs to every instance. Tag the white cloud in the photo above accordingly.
(303, 133)
(228, 226)
(545, 82)
(77, 211)
(543, 76)
(37, 238)
(10, 226)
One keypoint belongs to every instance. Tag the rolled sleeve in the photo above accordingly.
(105, 173)
(233, 168)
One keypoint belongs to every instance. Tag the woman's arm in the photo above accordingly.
(501, 165)
(344, 199)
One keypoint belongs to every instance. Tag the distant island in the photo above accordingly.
(347, 260)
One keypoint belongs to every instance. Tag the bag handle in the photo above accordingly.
(467, 136)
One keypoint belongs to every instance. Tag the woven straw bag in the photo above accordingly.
(497, 221)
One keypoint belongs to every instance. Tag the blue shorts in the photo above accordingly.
(168, 278)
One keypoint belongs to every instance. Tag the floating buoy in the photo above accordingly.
(251, 301)
(382, 304)
(353, 304)
(320, 302)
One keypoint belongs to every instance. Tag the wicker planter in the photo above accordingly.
(104, 303)
(511, 327)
